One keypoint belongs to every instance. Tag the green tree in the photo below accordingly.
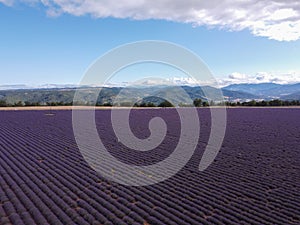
(3, 103)
(151, 104)
(107, 104)
(165, 104)
(252, 103)
(205, 104)
(19, 103)
(197, 102)
(275, 102)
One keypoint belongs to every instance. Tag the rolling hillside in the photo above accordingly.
(268, 90)
(155, 94)
(131, 94)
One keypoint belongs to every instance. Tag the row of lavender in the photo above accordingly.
(254, 180)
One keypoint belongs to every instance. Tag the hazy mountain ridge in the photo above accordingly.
(236, 92)
(267, 90)
(32, 87)
(129, 94)
(294, 96)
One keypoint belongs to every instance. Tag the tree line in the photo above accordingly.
(263, 103)
(197, 103)
(3, 103)
(275, 102)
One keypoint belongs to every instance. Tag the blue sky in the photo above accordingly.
(43, 44)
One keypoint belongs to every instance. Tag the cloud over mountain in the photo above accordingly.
(261, 77)
(274, 19)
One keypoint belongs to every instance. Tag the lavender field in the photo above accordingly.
(255, 178)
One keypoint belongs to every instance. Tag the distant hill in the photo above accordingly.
(109, 94)
(255, 89)
(267, 90)
(232, 93)
(31, 87)
(282, 91)
(294, 96)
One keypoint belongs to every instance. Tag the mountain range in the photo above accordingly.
(232, 93)
(268, 91)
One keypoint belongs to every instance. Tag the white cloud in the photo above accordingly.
(237, 75)
(290, 77)
(7, 2)
(274, 19)
(261, 77)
